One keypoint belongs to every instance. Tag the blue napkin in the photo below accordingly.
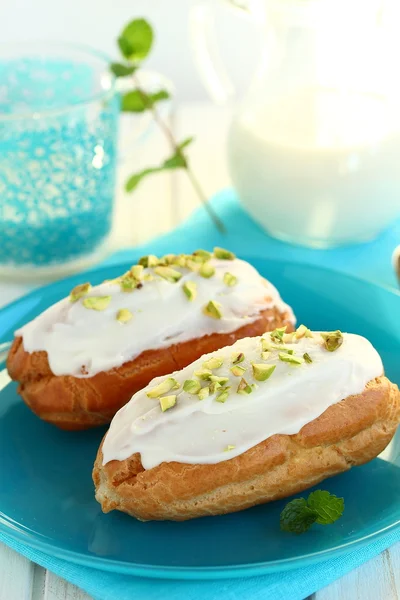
(296, 584)
(370, 261)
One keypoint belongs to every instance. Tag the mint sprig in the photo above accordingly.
(320, 507)
(135, 43)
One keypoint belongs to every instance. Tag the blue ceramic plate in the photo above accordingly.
(46, 494)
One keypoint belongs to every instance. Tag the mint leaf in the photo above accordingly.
(136, 40)
(158, 96)
(120, 70)
(297, 517)
(135, 179)
(138, 101)
(328, 507)
(133, 102)
(125, 47)
(185, 143)
(176, 161)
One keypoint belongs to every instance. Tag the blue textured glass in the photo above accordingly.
(58, 135)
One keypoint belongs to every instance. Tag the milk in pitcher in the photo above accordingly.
(318, 165)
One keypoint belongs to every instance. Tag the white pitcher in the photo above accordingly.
(314, 146)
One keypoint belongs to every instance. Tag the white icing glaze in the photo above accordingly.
(199, 431)
(74, 336)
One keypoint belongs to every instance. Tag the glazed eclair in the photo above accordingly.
(83, 358)
(263, 419)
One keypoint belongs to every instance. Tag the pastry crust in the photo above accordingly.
(73, 403)
(348, 433)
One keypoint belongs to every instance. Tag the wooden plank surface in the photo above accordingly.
(16, 575)
(157, 206)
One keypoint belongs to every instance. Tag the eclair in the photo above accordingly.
(84, 357)
(254, 422)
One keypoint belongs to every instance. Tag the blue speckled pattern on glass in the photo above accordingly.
(57, 164)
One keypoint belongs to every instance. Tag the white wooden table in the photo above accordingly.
(156, 207)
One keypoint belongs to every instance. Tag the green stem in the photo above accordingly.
(175, 147)
(199, 191)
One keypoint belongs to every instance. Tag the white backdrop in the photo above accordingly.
(98, 22)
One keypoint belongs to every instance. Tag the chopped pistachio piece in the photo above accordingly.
(197, 259)
(230, 280)
(277, 334)
(283, 348)
(289, 338)
(203, 374)
(179, 261)
(216, 379)
(265, 345)
(148, 277)
(168, 259)
(289, 358)
(124, 315)
(237, 357)
(192, 265)
(137, 272)
(167, 402)
(265, 355)
(128, 283)
(223, 395)
(244, 388)
(203, 254)
(307, 358)
(168, 274)
(223, 254)
(302, 331)
(215, 362)
(204, 393)
(190, 290)
(213, 310)
(96, 302)
(237, 371)
(191, 386)
(262, 372)
(163, 388)
(152, 260)
(148, 261)
(229, 447)
(206, 270)
(214, 386)
(332, 340)
(79, 291)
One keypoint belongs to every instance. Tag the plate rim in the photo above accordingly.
(16, 532)
(191, 573)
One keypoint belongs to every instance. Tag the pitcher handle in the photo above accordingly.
(207, 57)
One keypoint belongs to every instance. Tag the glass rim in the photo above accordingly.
(86, 101)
